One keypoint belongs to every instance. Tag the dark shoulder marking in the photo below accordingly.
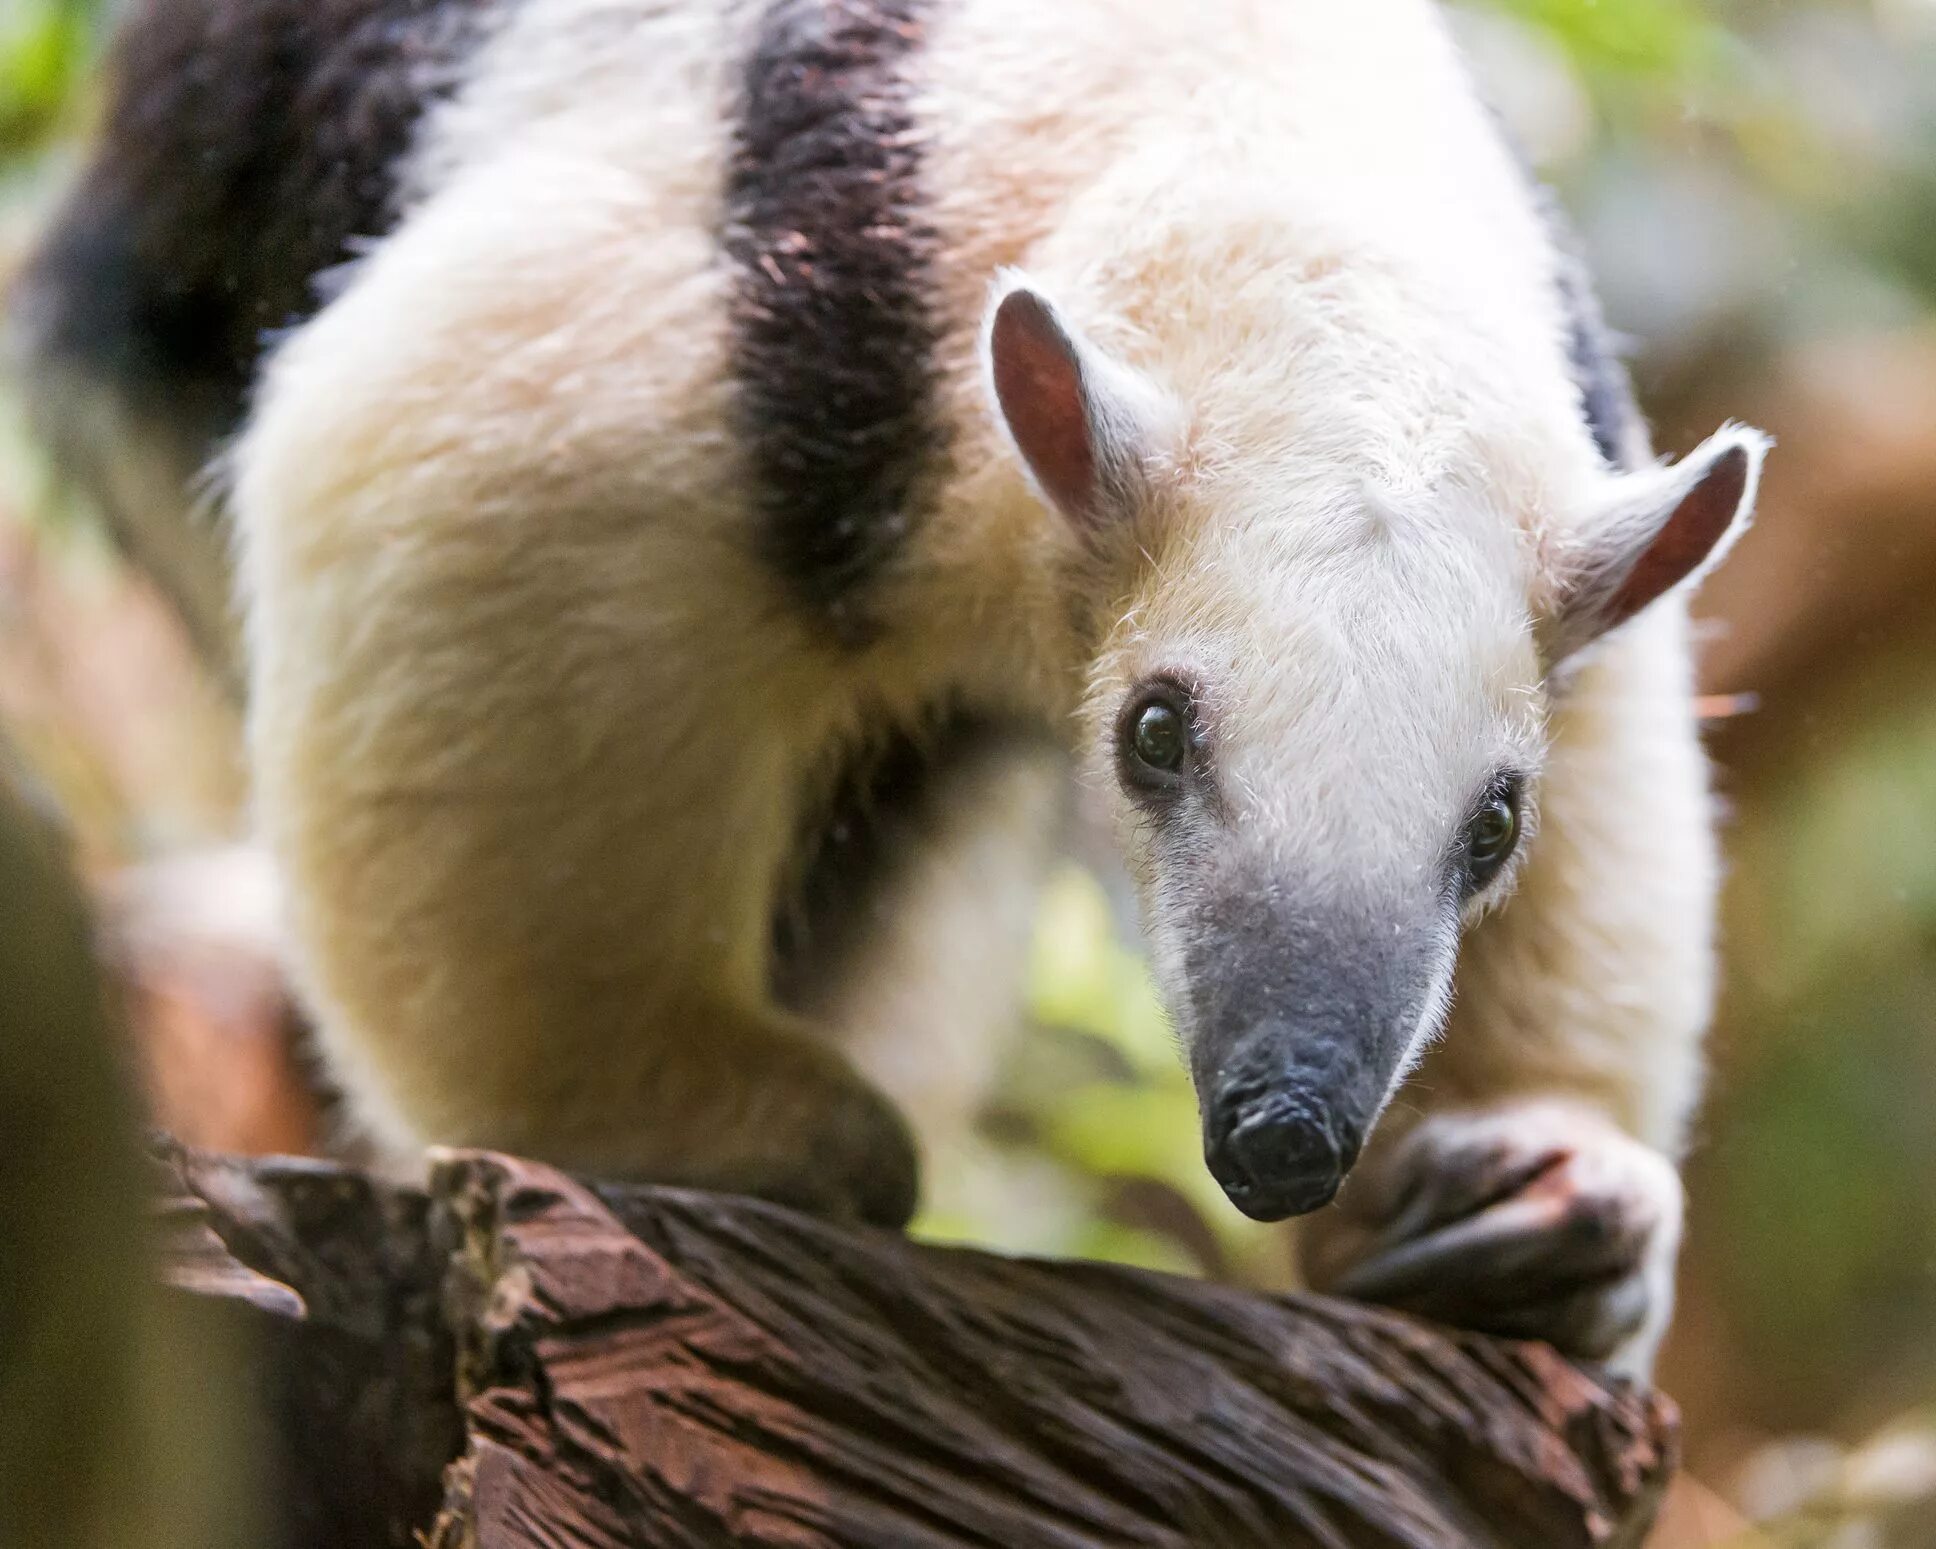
(883, 801)
(1606, 390)
(247, 146)
(1607, 401)
(833, 337)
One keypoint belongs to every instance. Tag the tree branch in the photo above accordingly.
(604, 1366)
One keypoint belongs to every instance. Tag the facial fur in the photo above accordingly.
(1358, 677)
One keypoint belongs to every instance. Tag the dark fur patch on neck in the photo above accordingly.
(1606, 390)
(247, 146)
(884, 801)
(833, 340)
(1607, 402)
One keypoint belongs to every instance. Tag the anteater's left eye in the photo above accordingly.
(1492, 833)
(1160, 738)
(1156, 739)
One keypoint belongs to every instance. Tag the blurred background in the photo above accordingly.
(1756, 184)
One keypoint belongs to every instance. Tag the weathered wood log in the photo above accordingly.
(516, 1358)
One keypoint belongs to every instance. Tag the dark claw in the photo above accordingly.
(1510, 1231)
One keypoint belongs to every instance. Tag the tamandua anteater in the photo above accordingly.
(706, 474)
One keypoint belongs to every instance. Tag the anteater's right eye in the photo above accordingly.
(1491, 833)
(1156, 739)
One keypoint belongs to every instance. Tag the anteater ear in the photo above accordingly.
(1083, 423)
(1664, 528)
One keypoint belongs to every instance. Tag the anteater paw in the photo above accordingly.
(1541, 1220)
(840, 1150)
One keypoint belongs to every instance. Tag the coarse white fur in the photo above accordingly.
(531, 725)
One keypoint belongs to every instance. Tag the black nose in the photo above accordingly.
(1276, 1160)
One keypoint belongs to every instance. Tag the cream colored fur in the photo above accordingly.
(531, 726)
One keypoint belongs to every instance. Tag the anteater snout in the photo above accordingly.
(1301, 1021)
(1276, 1157)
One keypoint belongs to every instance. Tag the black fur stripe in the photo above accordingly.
(247, 145)
(1606, 391)
(1607, 401)
(887, 800)
(834, 339)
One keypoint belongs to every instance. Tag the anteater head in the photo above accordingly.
(1317, 699)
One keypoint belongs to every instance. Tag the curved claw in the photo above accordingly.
(1530, 1223)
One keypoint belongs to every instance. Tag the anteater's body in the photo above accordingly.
(759, 450)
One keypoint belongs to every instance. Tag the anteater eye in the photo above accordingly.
(1160, 738)
(1156, 739)
(1491, 833)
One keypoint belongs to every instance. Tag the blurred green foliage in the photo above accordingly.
(1654, 40)
(1823, 1155)
(45, 47)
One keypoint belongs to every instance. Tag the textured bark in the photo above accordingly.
(517, 1358)
(331, 1281)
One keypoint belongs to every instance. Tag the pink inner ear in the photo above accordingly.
(1038, 380)
(1699, 522)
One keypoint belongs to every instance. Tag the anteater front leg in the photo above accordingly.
(736, 1101)
(529, 717)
